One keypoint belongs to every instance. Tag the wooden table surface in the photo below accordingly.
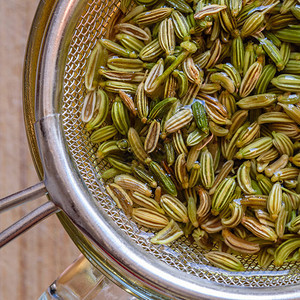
(31, 262)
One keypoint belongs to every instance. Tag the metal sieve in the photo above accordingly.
(62, 36)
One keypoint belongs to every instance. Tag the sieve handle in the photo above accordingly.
(36, 191)
(81, 280)
(29, 220)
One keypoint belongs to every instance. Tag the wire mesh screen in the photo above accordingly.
(182, 254)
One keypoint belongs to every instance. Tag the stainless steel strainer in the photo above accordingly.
(62, 36)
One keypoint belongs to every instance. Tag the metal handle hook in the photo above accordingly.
(40, 213)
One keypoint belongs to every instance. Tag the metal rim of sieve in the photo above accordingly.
(138, 271)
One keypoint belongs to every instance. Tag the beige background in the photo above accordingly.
(31, 262)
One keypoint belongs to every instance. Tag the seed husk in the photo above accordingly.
(225, 170)
(239, 244)
(280, 223)
(212, 225)
(195, 137)
(152, 137)
(238, 54)
(181, 26)
(119, 114)
(127, 100)
(224, 80)
(210, 88)
(282, 143)
(103, 134)
(163, 178)
(200, 116)
(202, 58)
(222, 195)
(254, 21)
(235, 218)
(144, 176)
(141, 102)
(287, 82)
(136, 145)
(228, 23)
(125, 64)
(122, 75)
(96, 59)
(254, 149)
(202, 239)
(296, 160)
(262, 231)
(110, 173)
(231, 149)
(272, 117)
(130, 42)
(274, 201)
(151, 51)
(168, 234)
(209, 10)
(293, 111)
(268, 72)
(162, 107)
(254, 201)
(166, 36)
(264, 218)
(194, 175)
(264, 258)
(215, 52)
(224, 261)
(88, 107)
(216, 115)
(191, 198)
(152, 16)
(117, 49)
(207, 169)
(146, 201)
(232, 72)
(248, 135)
(217, 130)
(284, 250)
(121, 198)
(114, 86)
(179, 144)
(273, 52)
(119, 164)
(257, 101)
(277, 165)
(182, 82)
(237, 120)
(204, 204)
(154, 73)
(179, 120)
(289, 35)
(244, 179)
(181, 171)
(100, 110)
(193, 73)
(250, 78)
(174, 208)
(132, 30)
(149, 218)
(128, 182)
(180, 5)
(106, 148)
(285, 173)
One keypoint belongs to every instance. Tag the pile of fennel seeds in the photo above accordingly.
(202, 102)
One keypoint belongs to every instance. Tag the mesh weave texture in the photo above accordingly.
(183, 255)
